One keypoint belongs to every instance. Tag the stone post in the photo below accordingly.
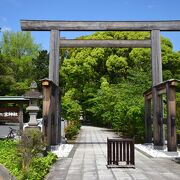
(33, 95)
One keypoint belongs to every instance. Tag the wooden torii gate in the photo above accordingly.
(53, 116)
(169, 89)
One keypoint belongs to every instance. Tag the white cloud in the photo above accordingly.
(5, 28)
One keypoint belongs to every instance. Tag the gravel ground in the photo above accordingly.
(148, 149)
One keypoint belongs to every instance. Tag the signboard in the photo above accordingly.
(9, 114)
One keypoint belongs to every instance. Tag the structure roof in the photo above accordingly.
(13, 98)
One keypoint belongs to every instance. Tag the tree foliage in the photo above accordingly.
(71, 108)
(6, 78)
(17, 51)
(109, 82)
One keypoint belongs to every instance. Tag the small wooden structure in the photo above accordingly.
(120, 152)
(12, 114)
(168, 88)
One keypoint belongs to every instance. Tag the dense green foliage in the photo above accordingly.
(10, 158)
(40, 166)
(71, 130)
(107, 84)
(8, 155)
(70, 105)
(40, 67)
(17, 51)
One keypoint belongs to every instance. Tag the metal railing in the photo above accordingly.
(120, 153)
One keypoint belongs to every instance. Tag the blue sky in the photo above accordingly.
(11, 11)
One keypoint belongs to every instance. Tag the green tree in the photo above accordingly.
(18, 49)
(109, 82)
(170, 60)
(70, 106)
(117, 66)
(40, 67)
(6, 77)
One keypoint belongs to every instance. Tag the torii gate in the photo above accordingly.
(52, 112)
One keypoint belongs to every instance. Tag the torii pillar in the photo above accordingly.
(54, 126)
(157, 99)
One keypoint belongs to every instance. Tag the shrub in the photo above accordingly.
(71, 130)
(29, 146)
(38, 165)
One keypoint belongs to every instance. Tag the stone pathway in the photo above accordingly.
(88, 159)
(5, 174)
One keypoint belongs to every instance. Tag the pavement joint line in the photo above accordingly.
(114, 176)
(71, 154)
(95, 159)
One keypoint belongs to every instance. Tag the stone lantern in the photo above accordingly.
(33, 95)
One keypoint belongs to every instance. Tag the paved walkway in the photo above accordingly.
(87, 161)
(5, 174)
